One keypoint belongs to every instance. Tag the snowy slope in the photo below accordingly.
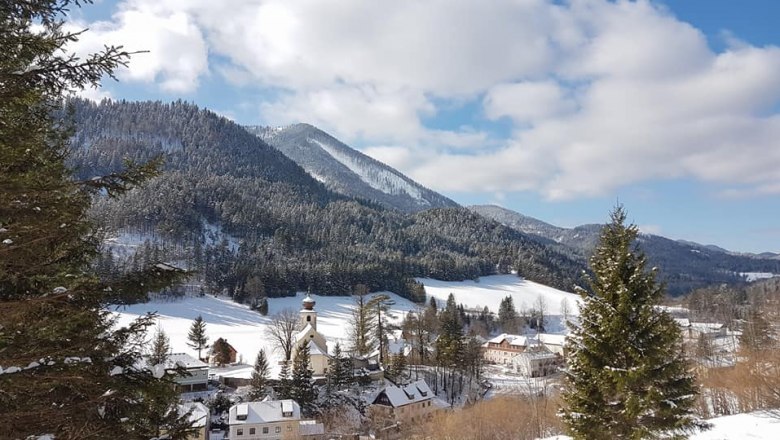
(348, 171)
(243, 328)
(489, 291)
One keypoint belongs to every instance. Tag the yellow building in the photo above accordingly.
(318, 347)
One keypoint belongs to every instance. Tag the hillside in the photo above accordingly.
(348, 171)
(253, 223)
(683, 265)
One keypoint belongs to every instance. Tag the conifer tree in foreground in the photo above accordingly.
(197, 337)
(259, 381)
(68, 370)
(627, 377)
(161, 348)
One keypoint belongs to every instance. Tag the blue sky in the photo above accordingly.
(554, 109)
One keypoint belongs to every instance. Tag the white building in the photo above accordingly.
(536, 363)
(198, 378)
(318, 347)
(502, 348)
(200, 416)
(271, 419)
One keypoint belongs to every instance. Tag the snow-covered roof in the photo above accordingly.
(514, 340)
(200, 413)
(412, 393)
(683, 322)
(302, 334)
(316, 349)
(706, 326)
(263, 412)
(184, 360)
(534, 355)
(551, 338)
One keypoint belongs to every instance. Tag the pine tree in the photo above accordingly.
(380, 308)
(79, 374)
(335, 376)
(197, 337)
(259, 381)
(507, 315)
(301, 385)
(283, 387)
(161, 348)
(627, 377)
(362, 322)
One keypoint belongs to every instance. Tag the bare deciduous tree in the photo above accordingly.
(281, 330)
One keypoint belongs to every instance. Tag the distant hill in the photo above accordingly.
(252, 222)
(348, 171)
(684, 265)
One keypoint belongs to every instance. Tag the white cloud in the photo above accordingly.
(600, 94)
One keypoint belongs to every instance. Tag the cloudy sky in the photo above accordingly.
(556, 109)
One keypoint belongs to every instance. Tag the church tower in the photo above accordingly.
(307, 314)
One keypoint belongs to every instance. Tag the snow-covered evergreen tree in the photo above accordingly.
(627, 377)
(161, 348)
(301, 385)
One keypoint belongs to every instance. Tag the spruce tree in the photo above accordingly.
(284, 383)
(259, 381)
(507, 315)
(68, 370)
(301, 384)
(161, 348)
(627, 377)
(197, 337)
(335, 370)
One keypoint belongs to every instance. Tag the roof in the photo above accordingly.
(707, 326)
(534, 355)
(551, 338)
(515, 340)
(200, 413)
(302, 334)
(263, 412)
(316, 349)
(412, 393)
(683, 322)
(184, 360)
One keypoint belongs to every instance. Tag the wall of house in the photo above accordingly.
(288, 429)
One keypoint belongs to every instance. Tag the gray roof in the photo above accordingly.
(412, 393)
(264, 412)
(184, 360)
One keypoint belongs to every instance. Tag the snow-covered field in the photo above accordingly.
(489, 291)
(755, 276)
(243, 328)
(751, 426)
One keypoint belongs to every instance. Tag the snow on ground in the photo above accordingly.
(490, 290)
(243, 328)
(750, 426)
(506, 383)
(755, 276)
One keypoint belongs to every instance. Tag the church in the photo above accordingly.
(318, 347)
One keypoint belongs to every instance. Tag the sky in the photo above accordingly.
(554, 109)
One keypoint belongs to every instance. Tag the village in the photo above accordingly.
(380, 398)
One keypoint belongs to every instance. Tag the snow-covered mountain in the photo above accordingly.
(348, 171)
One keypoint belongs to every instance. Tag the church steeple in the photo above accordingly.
(308, 314)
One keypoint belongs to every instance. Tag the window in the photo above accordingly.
(308, 319)
(289, 427)
(251, 431)
(278, 429)
(265, 430)
(240, 431)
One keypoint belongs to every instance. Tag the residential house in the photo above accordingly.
(692, 331)
(197, 378)
(555, 343)
(232, 356)
(270, 419)
(200, 416)
(408, 404)
(502, 348)
(536, 362)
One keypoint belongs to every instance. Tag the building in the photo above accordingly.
(409, 404)
(232, 353)
(318, 347)
(502, 348)
(198, 378)
(200, 416)
(692, 331)
(555, 343)
(537, 362)
(270, 419)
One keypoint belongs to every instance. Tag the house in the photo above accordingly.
(502, 348)
(198, 377)
(692, 331)
(410, 403)
(200, 416)
(536, 362)
(270, 419)
(318, 347)
(231, 353)
(555, 343)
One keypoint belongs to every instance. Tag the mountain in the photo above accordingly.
(348, 171)
(252, 223)
(683, 265)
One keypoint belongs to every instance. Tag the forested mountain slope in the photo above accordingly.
(683, 265)
(222, 185)
(348, 171)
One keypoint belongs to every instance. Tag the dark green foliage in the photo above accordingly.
(627, 376)
(219, 404)
(161, 348)
(339, 370)
(197, 337)
(508, 318)
(260, 375)
(397, 369)
(301, 384)
(283, 387)
(79, 375)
